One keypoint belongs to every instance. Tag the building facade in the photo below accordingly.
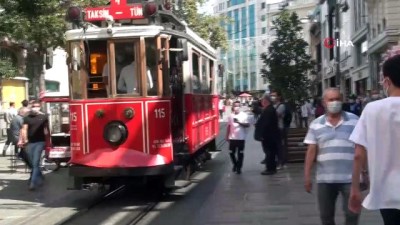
(360, 77)
(372, 27)
(241, 61)
(384, 30)
(250, 33)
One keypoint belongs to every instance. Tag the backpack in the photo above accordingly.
(287, 116)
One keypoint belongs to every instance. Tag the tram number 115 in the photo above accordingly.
(160, 113)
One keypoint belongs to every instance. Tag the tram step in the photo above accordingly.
(296, 156)
(181, 184)
(296, 144)
(296, 139)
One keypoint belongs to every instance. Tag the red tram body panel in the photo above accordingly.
(149, 141)
(202, 124)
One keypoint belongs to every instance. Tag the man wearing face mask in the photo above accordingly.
(280, 107)
(267, 131)
(236, 133)
(377, 139)
(34, 132)
(328, 143)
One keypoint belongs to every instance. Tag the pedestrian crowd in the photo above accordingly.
(27, 131)
(354, 146)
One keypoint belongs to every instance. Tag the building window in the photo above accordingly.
(384, 24)
(263, 5)
(228, 4)
(264, 30)
(263, 18)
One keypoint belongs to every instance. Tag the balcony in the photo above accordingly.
(386, 37)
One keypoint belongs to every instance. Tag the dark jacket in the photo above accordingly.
(267, 129)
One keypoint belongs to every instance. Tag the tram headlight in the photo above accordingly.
(115, 133)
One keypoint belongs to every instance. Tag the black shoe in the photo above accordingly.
(238, 171)
(263, 162)
(266, 172)
(234, 168)
(4, 153)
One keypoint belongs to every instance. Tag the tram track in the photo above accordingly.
(93, 204)
(127, 209)
(110, 204)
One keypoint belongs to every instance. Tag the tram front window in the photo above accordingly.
(128, 77)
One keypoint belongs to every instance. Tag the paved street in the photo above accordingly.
(215, 197)
(225, 198)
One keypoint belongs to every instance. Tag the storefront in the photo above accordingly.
(14, 90)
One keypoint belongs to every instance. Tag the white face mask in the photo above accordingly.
(386, 89)
(35, 110)
(236, 109)
(334, 107)
(273, 98)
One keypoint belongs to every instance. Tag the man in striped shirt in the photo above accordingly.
(328, 143)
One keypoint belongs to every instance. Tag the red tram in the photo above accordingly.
(143, 94)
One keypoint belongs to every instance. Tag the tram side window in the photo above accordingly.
(212, 77)
(196, 74)
(77, 76)
(152, 66)
(127, 74)
(204, 75)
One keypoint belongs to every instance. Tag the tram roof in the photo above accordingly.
(95, 33)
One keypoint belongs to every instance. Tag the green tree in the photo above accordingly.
(38, 23)
(206, 26)
(287, 62)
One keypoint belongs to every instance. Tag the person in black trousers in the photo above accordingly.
(267, 131)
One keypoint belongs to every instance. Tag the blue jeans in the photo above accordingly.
(35, 152)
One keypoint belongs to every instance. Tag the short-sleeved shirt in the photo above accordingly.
(15, 127)
(36, 125)
(378, 131)
(237, 132)
(9, 116)
(335, 150)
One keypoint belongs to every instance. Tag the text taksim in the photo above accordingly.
(97, 14)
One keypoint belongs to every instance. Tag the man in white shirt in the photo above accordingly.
(8, 117)
(238, 123)
(221, 107)
(305, 110)
(377, 139)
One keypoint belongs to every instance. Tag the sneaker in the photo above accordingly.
(238, 171)
(31, 187)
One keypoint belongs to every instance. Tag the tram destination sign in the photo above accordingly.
(118, 9)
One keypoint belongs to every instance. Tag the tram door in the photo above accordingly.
(177, 93)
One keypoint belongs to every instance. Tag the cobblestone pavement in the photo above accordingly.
(225, 198)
